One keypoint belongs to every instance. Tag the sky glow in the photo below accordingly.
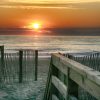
(53, 13)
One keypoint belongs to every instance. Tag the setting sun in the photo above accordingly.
(36, 25)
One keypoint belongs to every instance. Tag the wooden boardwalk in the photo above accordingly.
(66, 75)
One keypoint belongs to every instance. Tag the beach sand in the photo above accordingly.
(28, 90)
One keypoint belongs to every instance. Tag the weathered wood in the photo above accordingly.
(76, 74)
(53, 90)
(2, 52)
(48, 89)
(59, 85)
(84, 76)
(54, 97)
(85, 83)
(2, 62)
(20, 66)
(59, 64)
(83, 70)
(36, 64)
(72, 87)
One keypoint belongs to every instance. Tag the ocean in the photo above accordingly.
(49, 44)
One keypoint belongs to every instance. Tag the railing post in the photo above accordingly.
(47, 94)
(36, 64)
(2, 62)
(53, 90)
(20, 66)
(72, 88)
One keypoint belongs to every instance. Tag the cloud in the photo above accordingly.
(36, 5)
(50, 1)
(88, 5)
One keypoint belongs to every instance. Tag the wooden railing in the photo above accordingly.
(66, 75)
(91, 59)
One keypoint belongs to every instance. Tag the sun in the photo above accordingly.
(36, 26)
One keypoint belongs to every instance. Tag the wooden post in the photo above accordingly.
(53, 89)
(20, 66)
(47, 94)
(2, 62)
(72, 88)
(2, 55)
(36, 64)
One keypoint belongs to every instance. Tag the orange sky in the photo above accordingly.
(65, 14)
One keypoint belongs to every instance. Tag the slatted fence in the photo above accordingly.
(19, 66)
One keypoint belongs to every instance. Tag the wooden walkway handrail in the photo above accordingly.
(76, 75)
(62, 62)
